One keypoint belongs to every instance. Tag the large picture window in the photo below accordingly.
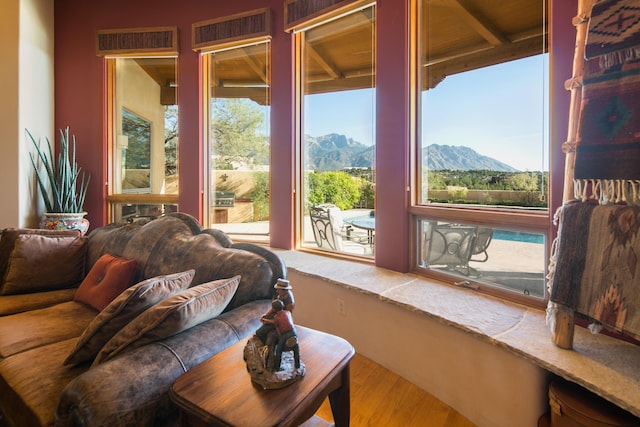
(337, 140)
(483, 154)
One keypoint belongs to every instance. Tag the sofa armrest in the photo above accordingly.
(128, 390)
(133, 388)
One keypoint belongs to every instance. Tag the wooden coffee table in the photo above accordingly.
(219, 391)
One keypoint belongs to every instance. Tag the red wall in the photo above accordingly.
(392, 136)
(79, 83)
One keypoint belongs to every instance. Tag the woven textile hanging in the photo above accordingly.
(607, 162)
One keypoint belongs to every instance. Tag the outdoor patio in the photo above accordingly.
(516, 265)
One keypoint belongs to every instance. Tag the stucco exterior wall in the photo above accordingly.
(27, 87)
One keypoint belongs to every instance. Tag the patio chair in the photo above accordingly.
(483, 238)
(450, 245)
(330, 231)
(326, 226)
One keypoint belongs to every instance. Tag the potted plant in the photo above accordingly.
(62, 187)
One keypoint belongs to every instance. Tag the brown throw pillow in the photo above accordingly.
(126, 307)
(172, 316)
(42, 263)
(108, 278)
(8, 240)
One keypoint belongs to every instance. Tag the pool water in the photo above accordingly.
(518, 236)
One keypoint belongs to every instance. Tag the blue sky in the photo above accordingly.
(347, 113)
(497, 111)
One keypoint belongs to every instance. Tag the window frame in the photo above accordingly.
(516, 219)
(205, 65)
(127, 198)
(299, 33)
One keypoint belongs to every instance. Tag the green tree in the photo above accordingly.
(335, 187)
(524, 182)
(435, 180)
(367, 193)
(138, 131)
(457, 193)
(260, 196)
(171, 139)
(238, 133)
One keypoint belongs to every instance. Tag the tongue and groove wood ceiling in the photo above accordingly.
(461, 35)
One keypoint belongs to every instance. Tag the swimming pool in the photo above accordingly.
(518, 236)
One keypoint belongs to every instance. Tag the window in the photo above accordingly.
(143, 137)
(238, 106)
(482, 160)
(337, 137)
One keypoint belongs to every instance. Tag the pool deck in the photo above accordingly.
(518, 266)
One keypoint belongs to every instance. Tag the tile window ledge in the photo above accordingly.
(606, 366)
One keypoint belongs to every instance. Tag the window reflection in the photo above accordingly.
(511, 259)
(140, 213)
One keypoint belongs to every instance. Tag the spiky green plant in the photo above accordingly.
(62, 188)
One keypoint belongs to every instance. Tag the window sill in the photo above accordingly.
(604, 365)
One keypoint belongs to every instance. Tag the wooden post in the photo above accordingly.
(574, 85)
(562, 333)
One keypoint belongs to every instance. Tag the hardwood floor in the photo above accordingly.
(381, 398)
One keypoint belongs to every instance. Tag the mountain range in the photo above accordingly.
(336, 152)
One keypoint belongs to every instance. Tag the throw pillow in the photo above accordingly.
(43, 263)
(122, 310)
(172, 316)
(107, 279)
(9, 236)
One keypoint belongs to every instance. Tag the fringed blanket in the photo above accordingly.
(597, 264)
(607, 166)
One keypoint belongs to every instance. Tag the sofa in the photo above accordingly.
(95, 329)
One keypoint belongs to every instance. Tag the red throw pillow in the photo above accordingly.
(108, 278)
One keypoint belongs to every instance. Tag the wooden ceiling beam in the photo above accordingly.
(326, 86)
(159, 69)
(330, 69)
(255, 66)
(479, 23)
(259, 95)
(436, 72)
(524, 37)
(336, 29)
(350, 75)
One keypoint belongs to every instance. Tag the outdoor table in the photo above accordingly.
(364, 222)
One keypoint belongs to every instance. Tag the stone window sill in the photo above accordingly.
(604, 365)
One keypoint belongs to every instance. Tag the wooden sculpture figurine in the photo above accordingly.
(283, 293)
(284, 336)
(272, 355)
